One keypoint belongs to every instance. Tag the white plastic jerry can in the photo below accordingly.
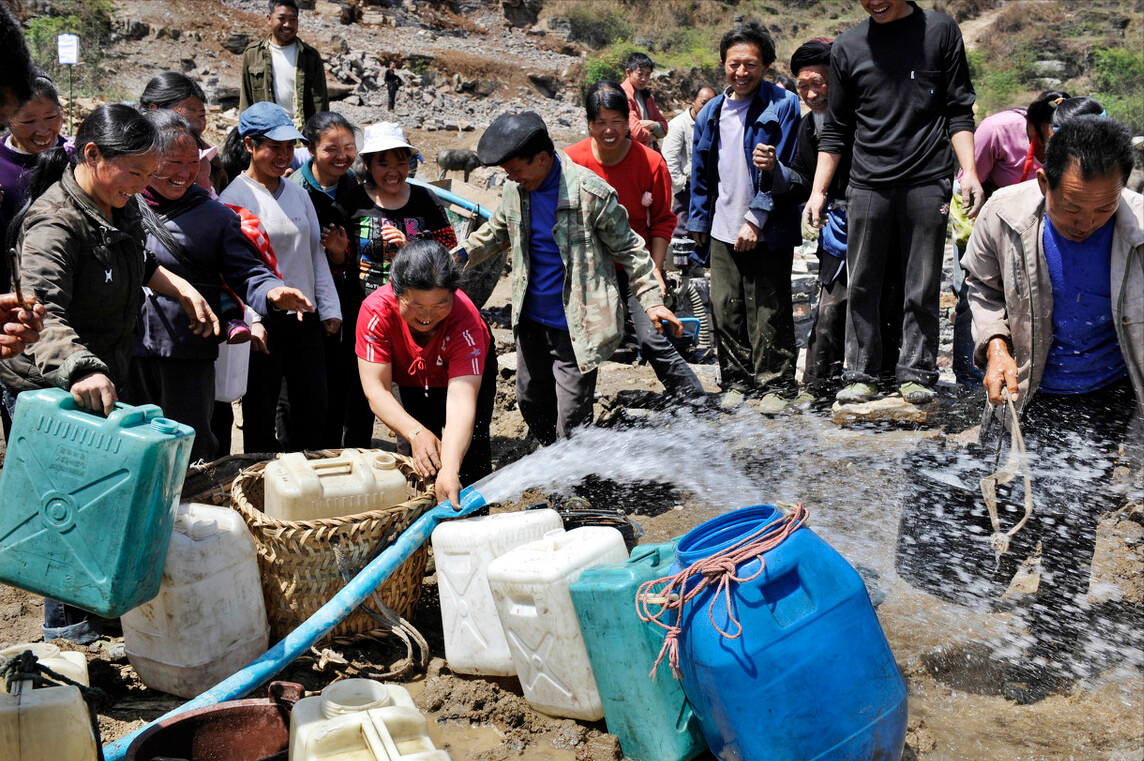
(47, 723)
(209, 619)
(530, 587)
(72, 665)
(361, 720)
(462, 549)
(299, 489)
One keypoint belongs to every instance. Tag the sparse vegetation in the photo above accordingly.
(91, 20)
(1099, 42)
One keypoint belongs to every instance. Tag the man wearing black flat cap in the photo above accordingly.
(568, 232)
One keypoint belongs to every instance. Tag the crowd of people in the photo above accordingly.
(140, 248)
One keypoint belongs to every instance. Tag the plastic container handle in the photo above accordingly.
(332, 468)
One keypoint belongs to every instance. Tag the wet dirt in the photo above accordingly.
(852, 480)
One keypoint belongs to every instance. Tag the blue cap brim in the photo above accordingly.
(285, 132)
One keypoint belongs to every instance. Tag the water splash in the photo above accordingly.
(681, 449)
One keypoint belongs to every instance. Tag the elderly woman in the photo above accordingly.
(81, 243)
(420, 332)
(202, 241)
(643, 184)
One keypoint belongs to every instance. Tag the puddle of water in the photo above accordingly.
(856, 484)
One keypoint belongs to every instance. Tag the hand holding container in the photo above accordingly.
(88, 502)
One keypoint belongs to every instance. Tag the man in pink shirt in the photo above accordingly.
(645, 122)
(1008, 148)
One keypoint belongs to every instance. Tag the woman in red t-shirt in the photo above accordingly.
(643, 187)
(420, 332)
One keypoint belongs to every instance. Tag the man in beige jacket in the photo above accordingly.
(1055, 276)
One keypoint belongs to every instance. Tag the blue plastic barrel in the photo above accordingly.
(811, 677)
(652, 719)
(89, 502)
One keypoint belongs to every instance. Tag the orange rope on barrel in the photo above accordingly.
(672, 593)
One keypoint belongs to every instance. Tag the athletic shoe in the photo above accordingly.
(856, 393)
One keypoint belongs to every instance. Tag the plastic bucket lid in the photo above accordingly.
(722, 531)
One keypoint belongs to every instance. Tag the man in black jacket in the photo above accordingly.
(900, 95)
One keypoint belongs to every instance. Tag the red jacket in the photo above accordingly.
(638, 132)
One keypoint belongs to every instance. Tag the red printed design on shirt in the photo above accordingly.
(256, 234)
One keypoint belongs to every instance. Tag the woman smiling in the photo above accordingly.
(401, 212)
(420, 332)
(202, 241)
(293, 342)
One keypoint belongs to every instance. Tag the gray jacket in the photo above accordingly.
(89, 272)
(1011, 295)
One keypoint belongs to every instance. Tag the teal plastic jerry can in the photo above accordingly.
(87, 503)
(652, 719)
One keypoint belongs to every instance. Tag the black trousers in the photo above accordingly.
(349, 420)
(826, 343)
(553, 395)
(294, 363)
(754, 317)
(428, 408)
(670, 367)
(184, 389)
(906, 225)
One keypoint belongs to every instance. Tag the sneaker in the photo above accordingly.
(804, 400)
(856, 393)
(237, 332)
(916, 393)
(772, 404)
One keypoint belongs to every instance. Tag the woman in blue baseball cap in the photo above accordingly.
(292, 351)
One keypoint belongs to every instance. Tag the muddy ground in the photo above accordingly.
(855, 486)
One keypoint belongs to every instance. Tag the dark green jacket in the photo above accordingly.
(310, 94)
(89, 273)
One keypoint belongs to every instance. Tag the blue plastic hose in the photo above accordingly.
(453, 198)
(316, 626)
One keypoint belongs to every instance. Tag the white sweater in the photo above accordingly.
(291, 224)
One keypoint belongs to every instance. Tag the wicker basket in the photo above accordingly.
(296, 558)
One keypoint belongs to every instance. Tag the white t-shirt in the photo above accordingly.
(284, 61)
(291, 224)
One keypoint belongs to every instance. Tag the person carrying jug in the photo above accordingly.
(1055, 273)
(81, 248)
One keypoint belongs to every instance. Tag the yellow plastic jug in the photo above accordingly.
(298, 489)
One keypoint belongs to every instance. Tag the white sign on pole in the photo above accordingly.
(68, 46)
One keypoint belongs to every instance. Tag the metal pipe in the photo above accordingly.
(316, 626)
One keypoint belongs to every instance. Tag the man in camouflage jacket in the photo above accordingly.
(567, 232)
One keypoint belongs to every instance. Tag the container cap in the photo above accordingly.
(351, 695)
(165, 425)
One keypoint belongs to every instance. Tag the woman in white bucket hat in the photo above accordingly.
(401, 212)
